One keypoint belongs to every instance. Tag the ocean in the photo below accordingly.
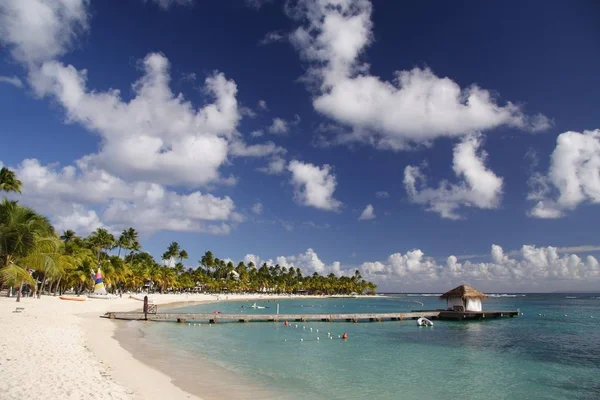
(552, 351)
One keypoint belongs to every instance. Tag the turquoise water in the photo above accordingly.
(533, 356)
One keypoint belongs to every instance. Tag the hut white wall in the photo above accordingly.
(473, 305)
(455, 301)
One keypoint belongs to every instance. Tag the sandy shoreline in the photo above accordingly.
(62, 349)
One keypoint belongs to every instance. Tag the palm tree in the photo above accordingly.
(9, 181)
(183, 255)
(172, 252)
(26, 240)
(67, 236)
(101, 240)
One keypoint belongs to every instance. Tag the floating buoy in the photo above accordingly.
(328, 333)
(189, 324)
(565, 315)
(303, 327)
(317, 330)
(285, 340)
(317, 338)
(345, 336)
(331, 337)
(302, 340)
(339, 336)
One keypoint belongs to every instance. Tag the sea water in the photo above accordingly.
(551, 351)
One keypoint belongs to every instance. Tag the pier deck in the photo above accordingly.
(358, 317)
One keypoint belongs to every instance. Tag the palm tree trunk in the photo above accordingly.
(42, 286)
(56, 286)
(19, 292)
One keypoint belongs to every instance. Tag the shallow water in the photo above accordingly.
(542, 354)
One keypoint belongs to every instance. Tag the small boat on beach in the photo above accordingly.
(424, 322)
(72, 298)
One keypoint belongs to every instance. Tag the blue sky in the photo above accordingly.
(487, 137)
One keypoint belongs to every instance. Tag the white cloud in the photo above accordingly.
(275, 167)
(166, 4)
(241, 149)
(40, 30)
(73, 195)
(257, 133)
(12, 80)
(273, 37)
(78, 219)
(262, 104)
(248, 112)
(368, 213)
(278, 126)
(531, 268)
(382, 194)
(479, 187)
(536, 267)
(309, 262)
(257, 208)
(417, 106)
(157, 135)
(573, 177)
(251, 258)
(314, 185)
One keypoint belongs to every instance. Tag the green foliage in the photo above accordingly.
(9, 181)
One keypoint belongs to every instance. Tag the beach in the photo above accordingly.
(61, 349)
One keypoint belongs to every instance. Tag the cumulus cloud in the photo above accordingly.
(241, 149)
(529, 268)
(77, 218)
(573, 176)
(272, 37)
(257, 208)
(73, 196)
(12, 80)
(252, 258)
(262, 104)
(533, 267)
(415, 107)
(275, 167)
(40, 30)
(278, 126)
(368, 213)
(314, 185)
(157, 135)
(382, 194)
(309, 262)
(478, 186)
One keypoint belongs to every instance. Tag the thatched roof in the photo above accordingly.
(464, 292)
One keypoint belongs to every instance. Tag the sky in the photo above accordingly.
(426, 145)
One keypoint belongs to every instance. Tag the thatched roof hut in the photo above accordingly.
(464, 298)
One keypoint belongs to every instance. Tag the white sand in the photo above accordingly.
(57, 349)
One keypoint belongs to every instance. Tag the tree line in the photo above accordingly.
(34, 257)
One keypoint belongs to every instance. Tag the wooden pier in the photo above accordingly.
(360, 317)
